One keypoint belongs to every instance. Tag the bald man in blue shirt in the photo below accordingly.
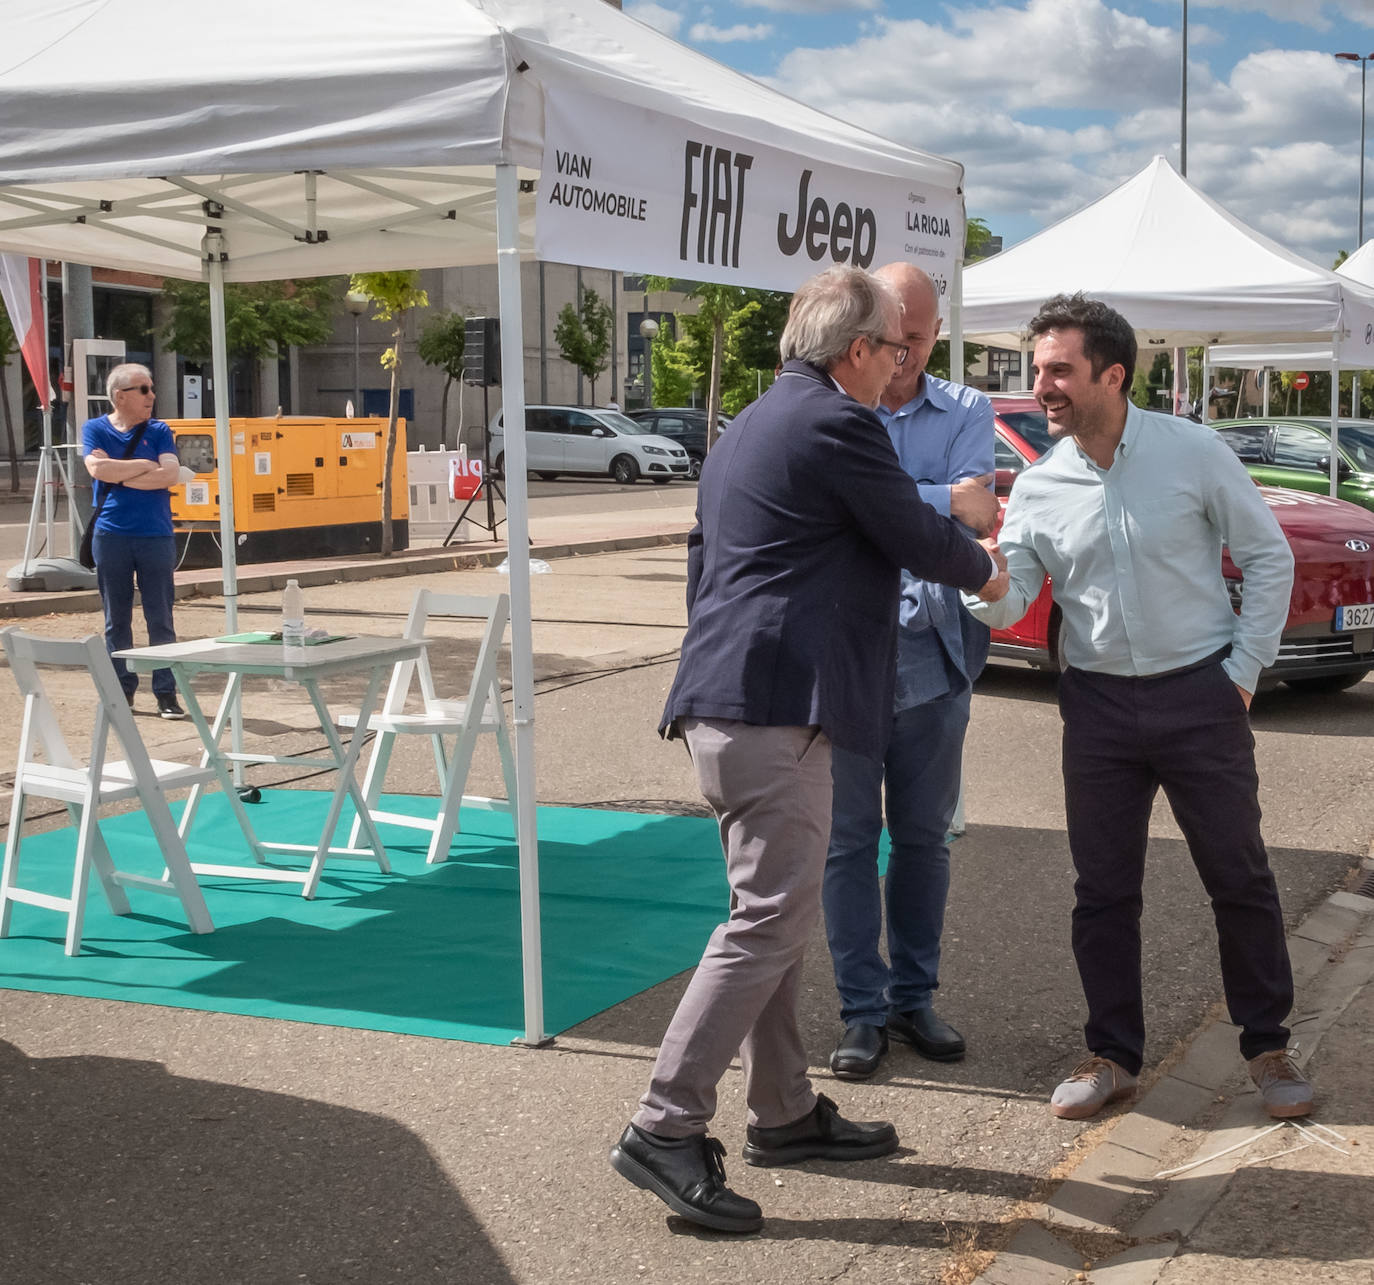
(944, 438)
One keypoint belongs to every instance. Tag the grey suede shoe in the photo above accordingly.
(1286, 1091)
(1093, 1083)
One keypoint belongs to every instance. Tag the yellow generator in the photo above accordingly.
(304, 487)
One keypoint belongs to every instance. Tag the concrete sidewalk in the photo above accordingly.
(553, 536)
(1195, 1184)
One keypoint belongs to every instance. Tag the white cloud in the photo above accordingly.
(1046, 53)
(1319, 15)
(810, 6)
(705, 33)
(668, 21)
(1052, 102)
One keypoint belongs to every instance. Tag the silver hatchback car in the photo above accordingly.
(587, 440)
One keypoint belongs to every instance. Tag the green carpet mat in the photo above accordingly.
(627, 900)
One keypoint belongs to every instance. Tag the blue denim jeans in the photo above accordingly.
(922, 771)
(146, 561)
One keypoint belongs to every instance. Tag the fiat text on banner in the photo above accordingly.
(682, 201)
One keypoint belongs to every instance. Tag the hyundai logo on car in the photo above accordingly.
(1357, 546)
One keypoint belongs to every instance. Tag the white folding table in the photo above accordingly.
(308, 666)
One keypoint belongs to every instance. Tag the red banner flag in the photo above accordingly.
(21, 284)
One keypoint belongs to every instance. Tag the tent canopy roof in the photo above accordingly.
(1360, 265)
(1181, 268)
(357, 137)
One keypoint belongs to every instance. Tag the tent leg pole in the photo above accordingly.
(518, 560)
(214, 252)
(956, 324)
(1335, 427)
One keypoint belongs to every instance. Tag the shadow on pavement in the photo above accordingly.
(117, 1171)
(1306, 713)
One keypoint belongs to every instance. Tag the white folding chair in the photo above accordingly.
(85, 788)
(481, 710)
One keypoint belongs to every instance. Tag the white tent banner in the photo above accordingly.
(685, 201)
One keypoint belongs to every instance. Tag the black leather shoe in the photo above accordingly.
(927, 1034)
(859, 1051)
(821, 1134)
(688, 1175)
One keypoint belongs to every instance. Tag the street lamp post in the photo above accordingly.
(1183, 101)
(1363, 60)
(356, 302)
(648, 328)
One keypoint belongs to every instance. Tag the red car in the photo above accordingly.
(1328, 643)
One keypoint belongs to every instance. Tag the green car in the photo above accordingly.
(1280, 450)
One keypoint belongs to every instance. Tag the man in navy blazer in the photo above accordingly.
(805, 519)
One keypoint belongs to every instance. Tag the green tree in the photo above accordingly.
(759, 326)
(8, 346)
(977, 235)
(583, 335)
(938, 365)
(715, 305)
(675, 370)
(395, 294)
(261, 318)
(1140, 388)
(976, 238)
(442, 343)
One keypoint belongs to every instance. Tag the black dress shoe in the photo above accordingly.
(688, 1175)
(821, 1134)
(927, 1034)
(859, 1051)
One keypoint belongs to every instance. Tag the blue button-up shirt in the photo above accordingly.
(1134, 552)
(942, 435)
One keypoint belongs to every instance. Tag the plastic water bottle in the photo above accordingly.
(292, 616)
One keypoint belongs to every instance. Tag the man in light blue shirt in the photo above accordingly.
(1128, 514)
(943, 434)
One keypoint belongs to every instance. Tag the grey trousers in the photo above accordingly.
(771, 791)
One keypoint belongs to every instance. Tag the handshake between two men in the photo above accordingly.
(972, 502)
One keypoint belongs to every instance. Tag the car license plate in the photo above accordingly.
(1360, 617)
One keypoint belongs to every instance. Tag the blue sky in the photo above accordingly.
(1050, 103)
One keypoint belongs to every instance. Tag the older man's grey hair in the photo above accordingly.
(125, 376)
(833, 309)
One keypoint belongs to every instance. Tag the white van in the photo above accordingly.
(585, 439)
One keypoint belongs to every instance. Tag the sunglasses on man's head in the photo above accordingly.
(142, 389)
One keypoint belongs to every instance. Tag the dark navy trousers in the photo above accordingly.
(1189, 734)
(147, 562)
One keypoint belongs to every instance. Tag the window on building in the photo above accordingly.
(1004, 361)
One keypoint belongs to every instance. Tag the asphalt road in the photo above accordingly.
(337, 1155)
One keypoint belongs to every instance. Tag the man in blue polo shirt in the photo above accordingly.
(133, 459)
(943, 435)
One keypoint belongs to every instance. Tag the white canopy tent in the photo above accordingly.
(1184, 270)
(1350, 351)
(273, 138)
(1181, 268)
(1347, 352)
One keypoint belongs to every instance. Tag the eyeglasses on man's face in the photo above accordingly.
(142, 389)
(899, 351)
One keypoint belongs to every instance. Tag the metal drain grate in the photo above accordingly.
(1366, 889)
